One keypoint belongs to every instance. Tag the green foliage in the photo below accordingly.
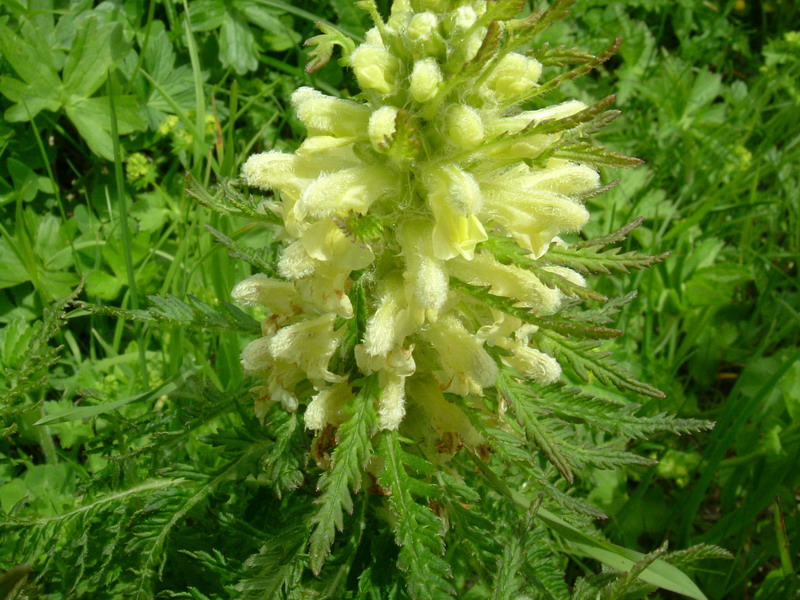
(353, 452)
(417, 529)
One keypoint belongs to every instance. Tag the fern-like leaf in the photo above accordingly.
(507, 252)
(194, 314)
(584, 358)
(263, 259)
(593, 260)
(228, 200)
(31, 371)
(554, 324)
(351, 455)
(417, 530)
(596, 156)
(277, 567)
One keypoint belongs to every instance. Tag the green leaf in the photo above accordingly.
(277, 568)
(584, 358)
(173, 312)
(13, 271)
(96, 48)
(567, 326)
(237, 45)
(103, 284)
(596, 156)
(659, 573)
(25, 60)
(175, 83)
(487, 50)
(206, 15)
(502, 10)
(92, 119)
(40, 88)
(322, 47)
(278, 35)
(417, 530)
(507, 252)
(352, 453)
(86, 412)
(228, 200)
(258, 258)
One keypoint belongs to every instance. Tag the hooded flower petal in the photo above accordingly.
(309, 345)
(326, 407)
(259, 290)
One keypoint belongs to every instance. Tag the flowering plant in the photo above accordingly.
(424, 309)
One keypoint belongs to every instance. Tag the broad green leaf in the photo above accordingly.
(278, 35)
(237, 46)
(51, 239)
(103, 285)
(97, 46)
(39, 88)
(26, 181)
(206, 15)
(659, 573)
(23, 58)
(14, 341)
(176, 83)
(92, 119)
(57, 284)
(30, 99)
(149, 210)
(13, 271)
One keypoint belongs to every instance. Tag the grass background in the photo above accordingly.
(107, 106)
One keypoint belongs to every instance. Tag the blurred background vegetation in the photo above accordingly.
(108, 106)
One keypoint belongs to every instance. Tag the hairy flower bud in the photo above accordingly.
(426, 79)
(375, 68)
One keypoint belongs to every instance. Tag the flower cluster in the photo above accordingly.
(397, 191)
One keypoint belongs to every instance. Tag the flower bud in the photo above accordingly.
(464, 126)
(464, 18)
(533, 363)
(514, 75)
(326, 115)
(423, 33)
(426, 79)
(375, 68)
